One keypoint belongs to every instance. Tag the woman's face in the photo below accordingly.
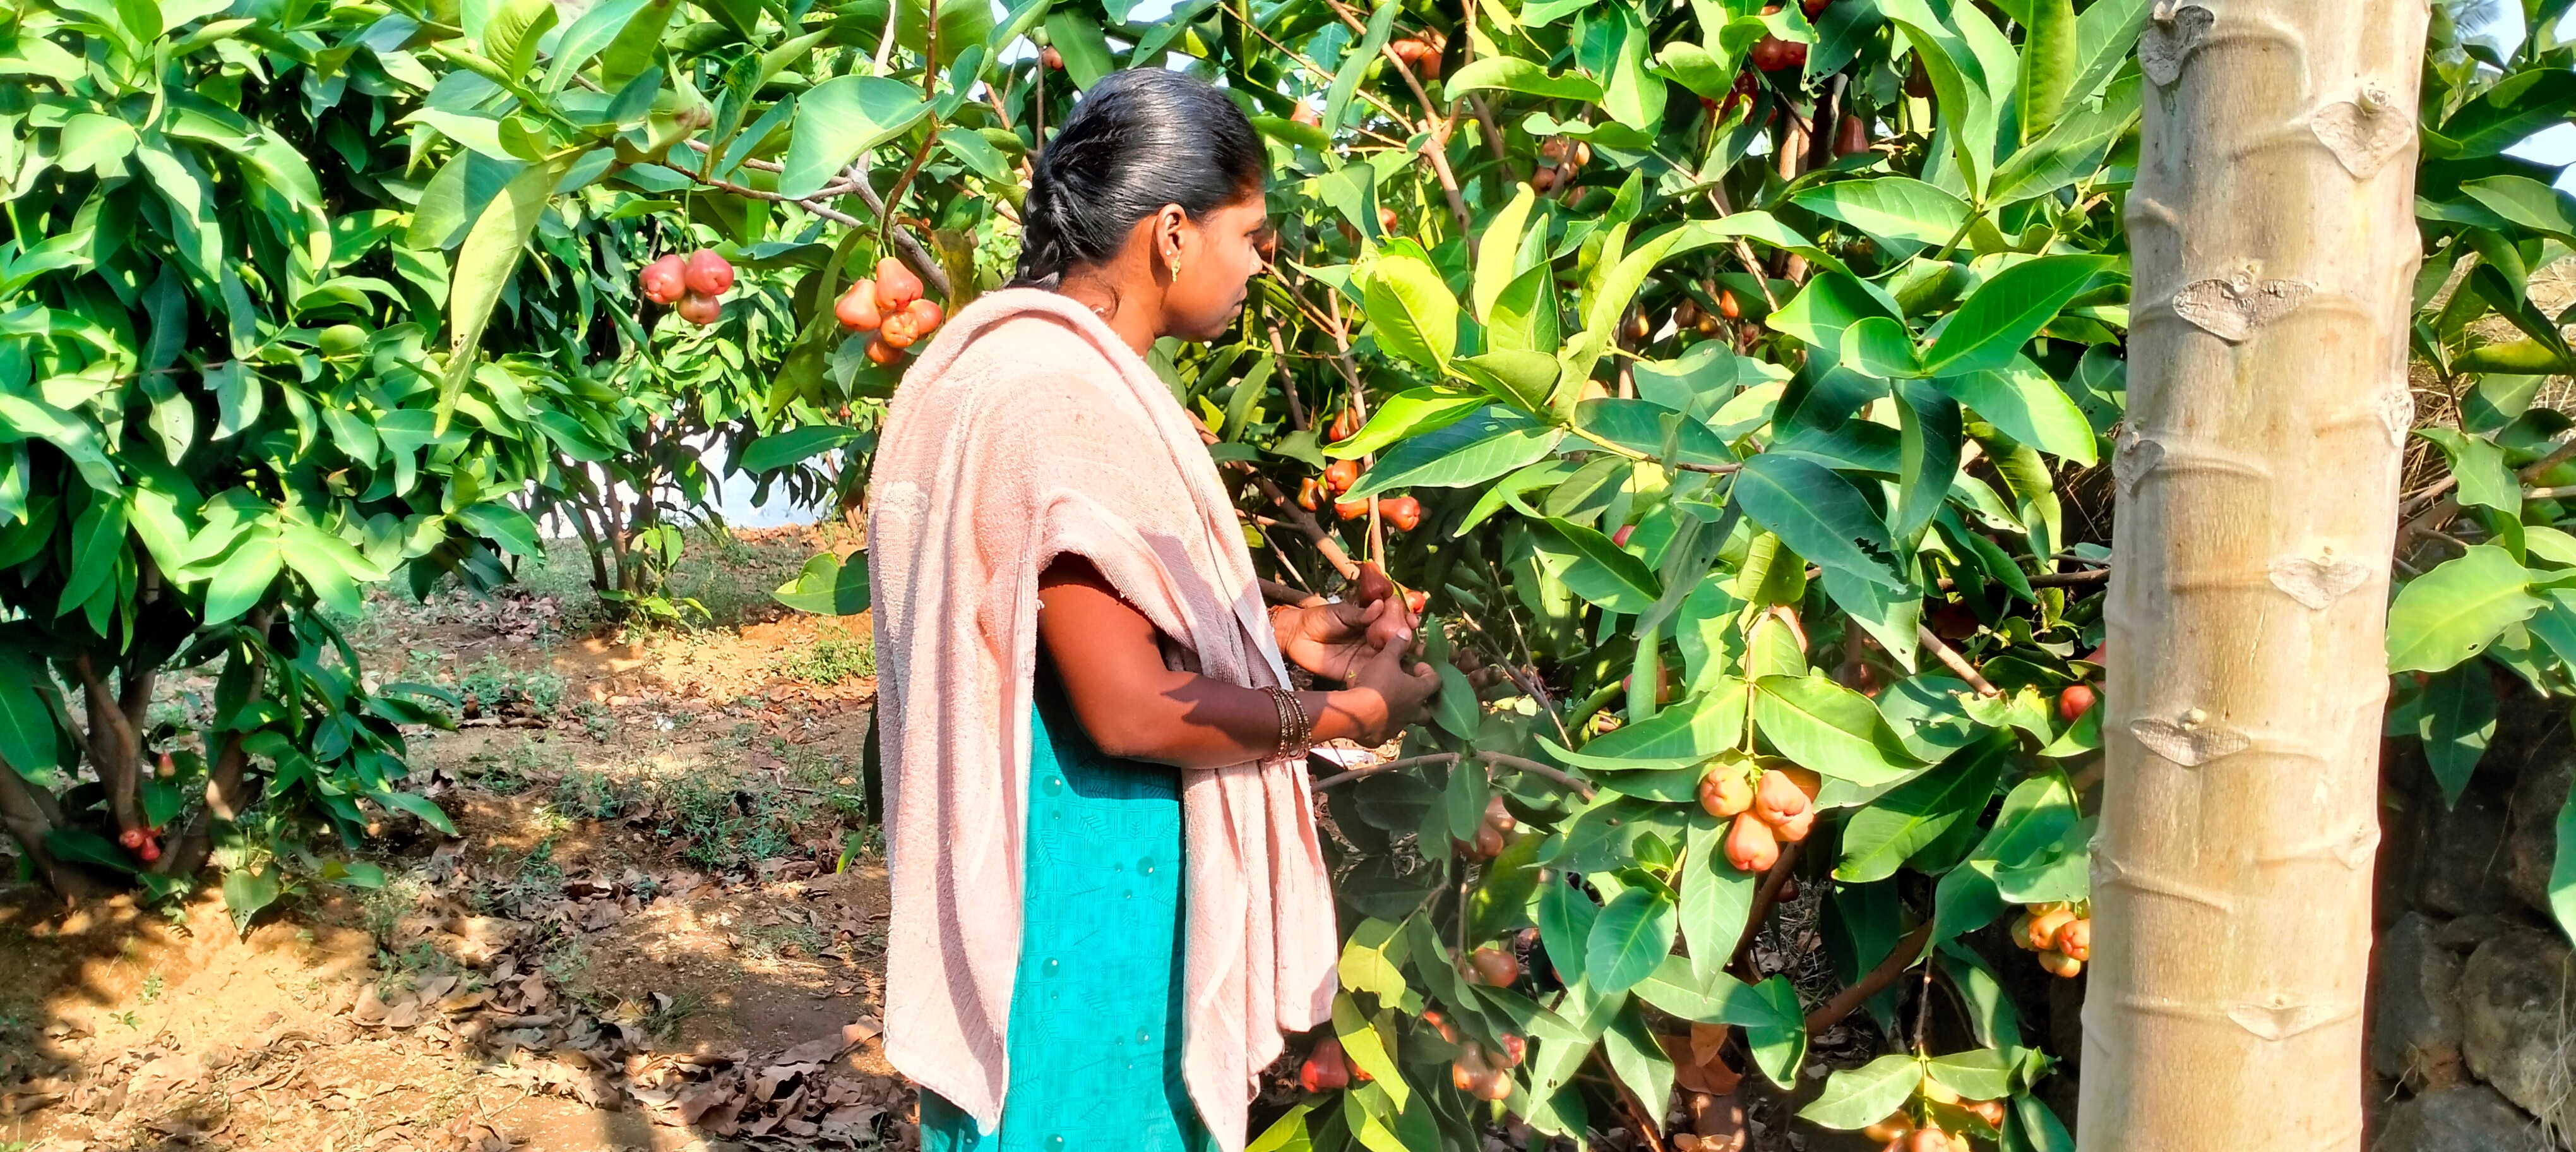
(1219, 255)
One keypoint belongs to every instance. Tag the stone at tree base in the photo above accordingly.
(2470, 1119)
(2415, 1023)
(2460, 870)
(2531, 839)
(2518, 1024)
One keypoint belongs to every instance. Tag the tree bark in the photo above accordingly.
(2274, 241)
(28, 819)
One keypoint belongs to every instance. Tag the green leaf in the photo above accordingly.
(98, 542)
(1676, 737)
(2456, 720)
(1890, 830)
(1287, 1134)
(1830, 303)
(483, 267)
(2037, 1127)
(827, 587)
(247, 891)
(1774, 1028)
(1513, 74)
(1978, 1074)
(1406, 415)
(418, 806)
(1860, 1097)
(1901, 213)
(2528, 203)
(2025, 403)
(244, 578)
(1078, 39)
(1880, 347)
(1565, 920)
(1481, 447)
(1828, 729)
(1628, 940)
(1819, 513)
(1600, 571)
(1716, 899)
(1372, 960)
(2562, 868)
(1645, 427)
(841, 120)
(590, 34)
(511, 34)
(2478, 464)
(2007, 310)
(2454, 611)
(504, 525)
(1368, 1048)
(1346, 78)
(1499, 247)
(1410, 309)
(27, 741)
(2048, 65)
(91, 141)
(797, 444)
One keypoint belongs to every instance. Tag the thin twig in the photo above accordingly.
(1957, 663)
(1849, 1000)
(1765, 898)
(1495, 759)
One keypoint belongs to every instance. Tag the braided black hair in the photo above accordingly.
(1140, 139)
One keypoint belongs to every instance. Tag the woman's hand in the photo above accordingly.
(1332, 640)
(1388, 693)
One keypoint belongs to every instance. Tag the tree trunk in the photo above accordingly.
(2275, 248)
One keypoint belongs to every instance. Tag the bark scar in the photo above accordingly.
(2317, 581)
(2365, 132)
(2281, 1020)
(2109, 872)
(2189, 739)
(2233, 307)
(2169, 38)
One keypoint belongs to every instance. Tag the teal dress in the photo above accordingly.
(1095, 1037)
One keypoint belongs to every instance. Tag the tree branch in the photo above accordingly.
(1957, 663)
(1845, 1002)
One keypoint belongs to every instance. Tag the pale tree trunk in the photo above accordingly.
(2275, 248)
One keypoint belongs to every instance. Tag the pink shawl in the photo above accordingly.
(1030, 430)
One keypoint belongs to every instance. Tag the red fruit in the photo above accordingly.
(1514, 1051)
(880, 353)
(925, 316)
(2074, 702)
(701, 309)
(1326, 1069)
(1990, 1111)
(1795, 828)
(1489, 841)
(2075, 940)
(1893, 1128)
(1620, 537)
(1725, 793)
(1751, 846)
(1447, 1030)
(1496, 815)
(1797, 54)
(1416, 601)
(1766, 53)
(132, 838)
(149, 853)
(1341, 474)
(1928, 1140)
(1918, 83)
(707, 273)
(1307, 495)
(1851, 137)
(2044, 926)
(1496, 968)
(665, 280)
(857, 308)
(1813, 7)
(1053, 59)
(1387, 221)
(164, 768)
(898, 330)
(1777, 796)
(1498, 1083)
(896, 285)
(1728, 306)
(1350, 509)
(1307, 115)
(1402, 511)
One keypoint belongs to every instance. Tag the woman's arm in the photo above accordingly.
(1104, 651)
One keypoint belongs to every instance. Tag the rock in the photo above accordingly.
(2461, 872)
(2466, 933)
(2531, 836)
(2514, 1028)
(2415, 1027)
(2470, 1119)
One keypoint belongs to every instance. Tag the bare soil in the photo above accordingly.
(661, 925)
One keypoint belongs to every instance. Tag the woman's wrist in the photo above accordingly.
(1356, 714)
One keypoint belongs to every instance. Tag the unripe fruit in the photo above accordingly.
(1896, 1125)
(1053, 59)
(857, 308)
(881, 353)
(1938, 1092)
(1750, 845)
(2074, 702)
(1341, 474)
(896, 285)
(1351, 509)
(708, 273)
(1402, 511)
(665, 280)
(1725, 793)
(1495, 967)
(2060, 965)
(342, 340)
(2021, 933)
(132, 838)
(1728, 306)
(2076, 939)
(1325, 1069)
(1582, 154)
(925, 316)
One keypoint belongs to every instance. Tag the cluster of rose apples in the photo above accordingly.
(1899, 1132)
(1770, 805)
(1403, 512)
(891, 306)
(2062, 934)
(696, 282)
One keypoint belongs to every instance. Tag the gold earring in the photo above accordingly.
(1176, 268)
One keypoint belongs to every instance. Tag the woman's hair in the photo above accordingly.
(1138, 140)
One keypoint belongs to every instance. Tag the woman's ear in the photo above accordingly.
(1172, 232)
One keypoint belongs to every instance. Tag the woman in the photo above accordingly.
(1108, 896)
